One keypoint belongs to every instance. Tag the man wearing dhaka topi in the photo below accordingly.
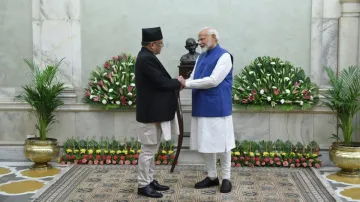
(155, 108)
(212, 130)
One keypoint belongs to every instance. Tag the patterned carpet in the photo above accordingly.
(115, 183)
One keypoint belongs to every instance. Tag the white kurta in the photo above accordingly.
(212, 134)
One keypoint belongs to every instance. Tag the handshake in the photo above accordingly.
(182, 81)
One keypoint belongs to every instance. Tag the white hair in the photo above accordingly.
(212, 31)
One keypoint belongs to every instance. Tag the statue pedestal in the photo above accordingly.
(186, 69)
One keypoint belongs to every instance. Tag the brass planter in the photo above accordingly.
(346, 158)
(41, 152)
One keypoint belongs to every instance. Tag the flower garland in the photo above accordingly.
(113, 85)
(270, 81)
(246, 153)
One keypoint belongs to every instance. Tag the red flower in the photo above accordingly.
(108, 157)
(83, 161)
(127, 162)
(108, 161)
(266, 160)
(235, 158)
(119, 57)
(165, 162)
(98, 157)
(317, 165)
(244, 101)
(278, 163)
(263, 163)
(136, 156)
(241, 158)
(113, 162)
(297, 164)
(285, 163)
(90, 162)
(91, 156)
(246, 162)
(257, 163)
(292, 165)
(252, 158)
(173, 156)
(303, 159)
(115, 157)
(122, 157)
(121, 162)
(297, 160)
(107, 65)
(290, 160)
(157, 162)
(114, 58)
(76, 161)
(96, 162)
(86, 156)
(134, 162)
(277, 159)
(238, 165)
(101, 162)
(257, 158)
(304, 164)
(232, 164)
(276, 91)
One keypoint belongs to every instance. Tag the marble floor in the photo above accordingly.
(18, 183)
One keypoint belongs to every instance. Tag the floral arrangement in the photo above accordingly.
(113, 85)
(246, 153)
(270, 81)
(275, 154)
(111, 152)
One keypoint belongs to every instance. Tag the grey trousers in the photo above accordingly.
(149, 137)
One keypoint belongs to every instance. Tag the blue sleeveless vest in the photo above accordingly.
(212, 102)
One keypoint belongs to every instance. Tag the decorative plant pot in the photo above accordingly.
(41, 152)
(346, 158)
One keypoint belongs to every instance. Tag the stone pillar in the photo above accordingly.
(349, 42)
(349, 34)
(56, 35)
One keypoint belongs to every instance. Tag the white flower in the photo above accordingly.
(281, 63)
(111, 90)
(104, 102)
(311, 98)
(132, 84)
(301, 103)
(292, 69)
(130, 63)
(129, 94)
(268, 75)
(117, 83)
(259, 64)
(274, 87)
(268, 99)
(92, 96)
(261, 91)
(286, 78)
(104, 73)
(309, 91)
(123, 72)
(124, 86)
(129, 103)
(273, 63)
(287, 91)
(251, 72)
(282, 101)
(132, 74)
(236, 97)
(110, 98)
(118, 102)
(123, 63)
(301, 81)
(114, 66)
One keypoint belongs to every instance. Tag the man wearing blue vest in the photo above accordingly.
(212, 130)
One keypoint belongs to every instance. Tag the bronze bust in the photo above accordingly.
(190, 58)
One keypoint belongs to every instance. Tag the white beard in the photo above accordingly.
(206, 47)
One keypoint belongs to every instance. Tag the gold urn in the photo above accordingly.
(346, 158)
(41, 151)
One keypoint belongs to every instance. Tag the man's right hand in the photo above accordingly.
(182, 81)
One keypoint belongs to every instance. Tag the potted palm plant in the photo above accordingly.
(343, 97)
(43, 97)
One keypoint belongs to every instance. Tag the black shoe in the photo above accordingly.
(225, 186)
(149, 191)
(206, 183)
(158, 187)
